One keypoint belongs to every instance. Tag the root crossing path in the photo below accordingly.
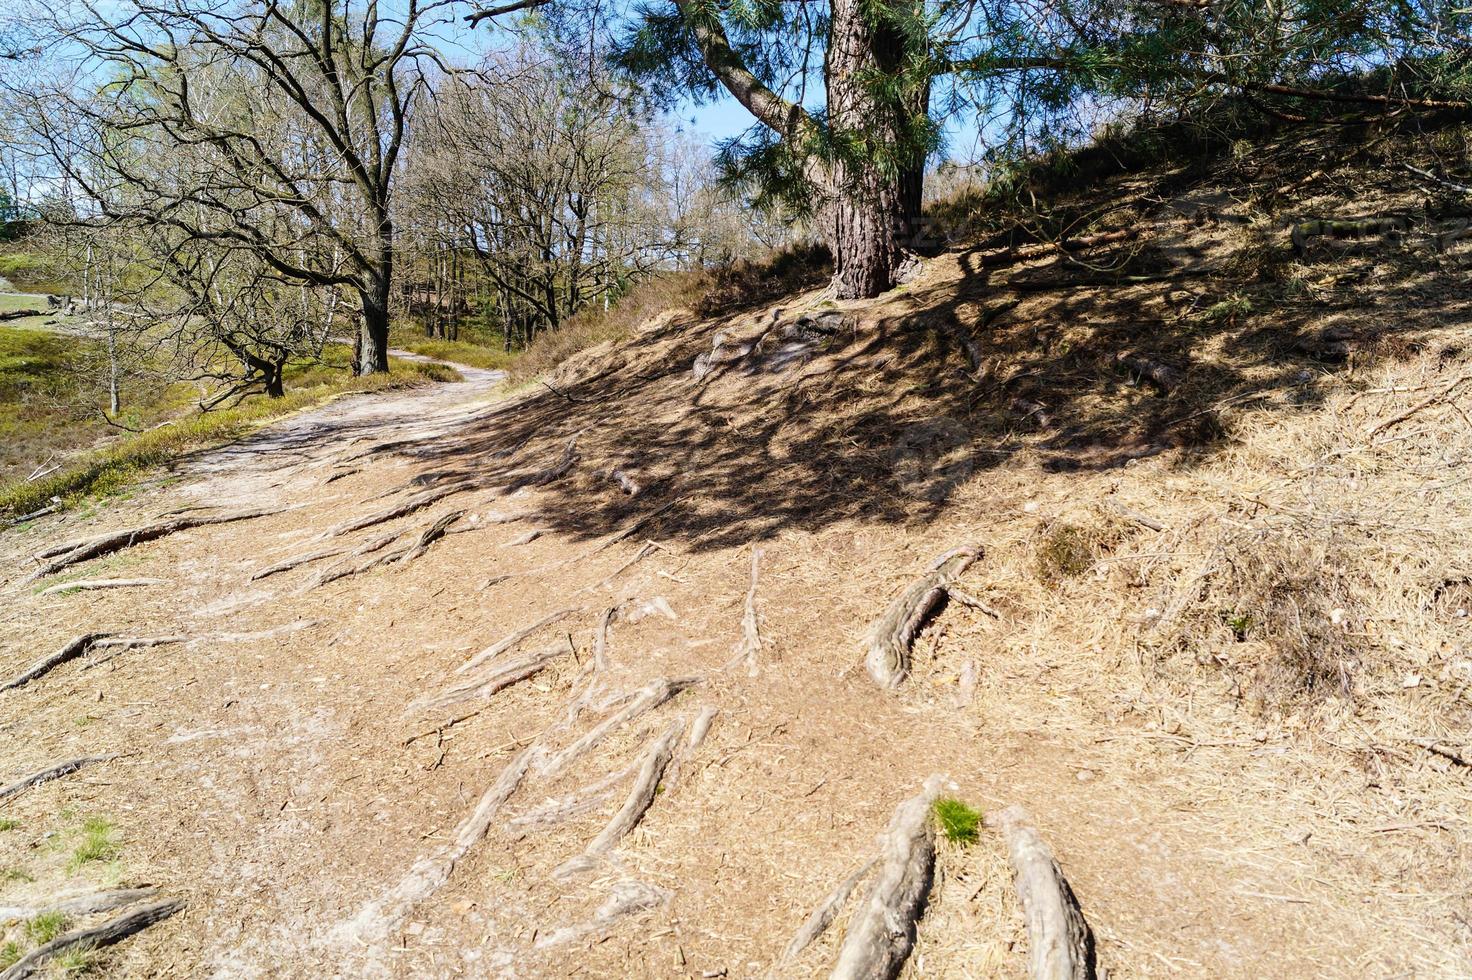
(382, 741)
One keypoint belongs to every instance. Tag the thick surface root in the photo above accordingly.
(628, 896)
(822, 916)
(74, 648)
(112, 931)
(92, 584)
(649, 697)
(1062, 947)
(288, 564)
(66, 555)
(487, 683)
(887, 644)
(88, 904)
(882, 930)
(51, 772)
(750, 645)
(509, 642)
(636, 804)
(417, 502)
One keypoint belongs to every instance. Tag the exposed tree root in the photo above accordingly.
(629, 531)
(625, 482)
(53, 772)
(628, 896)
(887, 644)
(649, 548)
(487, 684)
(73, 553)
(822, 917)
(750, 644)
(430, 535)
(636, 804)
(288, 564)
(88, 904)
(109, 932)
(89, 584)
(882, 930)
(648, 698)
(417, 502)
(522, 539)
(122, 644)
(1062, 947)
(429, 873)
(73, 649)
(510, 641)
(554, 472)
(493, 580)
(558, 810)
(333, 477)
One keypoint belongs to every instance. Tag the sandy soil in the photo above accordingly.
(282, 770)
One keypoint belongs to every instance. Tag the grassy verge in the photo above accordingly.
(109, 469)
(466, 352)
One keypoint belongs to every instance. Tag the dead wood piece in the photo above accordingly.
(288, 564)
(882, 930)
(510, 641)
(887, 644)
(87, 904)
(1162, 376)
(641, 796)
(90, 584)
(332, 477)
(625, 482)
(1062, 947)
(648, 698)
(750, 645)
(18, 314)
(51, 772)
(1144, 520)
(487, 684)
(109, 932)
(106, 544)
(431, 871)
(73, 649)
(417, 502)
(822, 917)
(1345, 228)
(1461, 757)
(628, 896)
(430, 535)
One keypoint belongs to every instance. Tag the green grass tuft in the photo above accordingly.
(9, 953)
(16, 874)
(958, 823)
(8, 823)
(99, 843)
(45, 927)
(75, 962)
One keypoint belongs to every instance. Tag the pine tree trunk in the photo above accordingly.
(876, 180)
(373, 332)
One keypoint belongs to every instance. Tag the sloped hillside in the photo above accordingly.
(643, 670)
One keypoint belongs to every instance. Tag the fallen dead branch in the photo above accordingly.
(112, 931)
(1425, 403)
(88, 904)
(822, 917)
(887, 644)
(1461, 757)
(73, 553)
(1164, 377)
(882, 930)
(90, 584)
(1062, 947)
(750, 644)
(74, 648)
(52, 772)
(636, 804)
